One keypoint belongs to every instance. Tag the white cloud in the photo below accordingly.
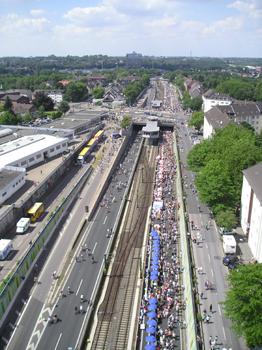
(230, 24)
(145, 8)
(14, 25)
(250, 8)
(37, 12)
(95, 16)
(162, 23)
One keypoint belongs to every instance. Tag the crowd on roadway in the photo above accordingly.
(162, 304)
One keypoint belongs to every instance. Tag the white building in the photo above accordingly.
(11, 180)
(56, 95)
(212, 99)
(251, 209)
(30, 150)
(214, 119)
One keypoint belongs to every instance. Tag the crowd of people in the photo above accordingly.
(163, 297)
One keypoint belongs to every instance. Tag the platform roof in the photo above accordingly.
(151, 126)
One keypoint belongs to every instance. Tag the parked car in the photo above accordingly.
(235, 264)
(229, 259)
(226, 231)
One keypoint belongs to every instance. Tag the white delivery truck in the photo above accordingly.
(5, 246)
(22, 225)
(229, 244)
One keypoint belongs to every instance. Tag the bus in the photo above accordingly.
(83, 155)
(99, 135)
(35, 211)
(92, 143)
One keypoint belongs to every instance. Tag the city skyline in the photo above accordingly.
(213, 28)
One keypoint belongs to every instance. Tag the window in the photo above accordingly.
(58, 147)
(20, 180)
(38, 156)
(16, 183)
(3, 194)
(23, 162)
(31, 159)
(64, 145)
(52, 150)
(13, 185)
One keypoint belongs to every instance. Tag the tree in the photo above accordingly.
(186, 100)
(1, 108)
(64, 106)
(41, 99)
(98, 92)
(145, 79)
(226, 219)
(26, 118)
(247, 126)
(243, 304)
(41, 111)
(126, 121)
(196, 103)
(8, 104)
(220, 162)
(56, 115)
(9, 118)
(75, 91)
(197, 120)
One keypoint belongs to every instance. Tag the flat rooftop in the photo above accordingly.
(23, 147)
(6, 176)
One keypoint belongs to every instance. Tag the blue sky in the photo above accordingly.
(215, 28)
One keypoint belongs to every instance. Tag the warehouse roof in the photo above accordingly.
(25, 146)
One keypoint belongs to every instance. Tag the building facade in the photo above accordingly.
(251, 209)
(133, 60)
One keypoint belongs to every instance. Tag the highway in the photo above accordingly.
(33, 332)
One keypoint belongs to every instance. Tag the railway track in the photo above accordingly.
(114, 316)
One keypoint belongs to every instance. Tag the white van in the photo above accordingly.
(226, 231)
(229, 244)
(197, 142)
(22, 225)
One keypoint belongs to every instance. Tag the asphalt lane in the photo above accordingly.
(208, 255)
(83, 277)
(81, 280)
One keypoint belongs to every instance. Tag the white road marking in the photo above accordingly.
(206, 246)
(19, 244)
(79, 286)
(58, 341)
(209, 258)
(219, 310)
(105, 220)
(224, 333)
(212, 273)
(94, 248)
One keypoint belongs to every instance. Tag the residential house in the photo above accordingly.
(214, 119)
(251, 209)
(127, 80)
(212, 99)
(241, 111)
(15, 98)
(23, 108)
(56, 95)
